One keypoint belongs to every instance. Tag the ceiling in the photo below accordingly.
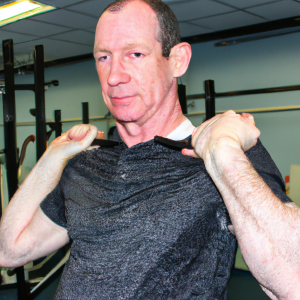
(69, 30)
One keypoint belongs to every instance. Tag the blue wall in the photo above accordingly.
(259, 64)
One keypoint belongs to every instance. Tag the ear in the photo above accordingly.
(181, 54)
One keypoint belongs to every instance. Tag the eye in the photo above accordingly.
(103, 58)
(137, 54)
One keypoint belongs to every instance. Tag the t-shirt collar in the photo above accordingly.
(184, 130)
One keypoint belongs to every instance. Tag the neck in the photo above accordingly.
(162, 123)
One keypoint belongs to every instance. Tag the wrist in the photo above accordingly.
(225, 157)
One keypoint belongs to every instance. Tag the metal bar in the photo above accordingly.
(24, 87)
(58, 267)
(58, 124)
(210, 99)
(182, 98)
(85, 113)
(40, 114)
(195, 97)
(252, 110)
(10, 138)
(244, 31)
(259, 91)
(1, 191)
(248, 92)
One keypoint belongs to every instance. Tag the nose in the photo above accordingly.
(118, 74)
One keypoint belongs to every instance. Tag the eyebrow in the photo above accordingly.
(127, 46)
(96, 50)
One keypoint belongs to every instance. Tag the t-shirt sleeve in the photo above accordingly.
(53, 206)
(266, 168)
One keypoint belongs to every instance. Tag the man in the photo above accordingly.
(147, 222)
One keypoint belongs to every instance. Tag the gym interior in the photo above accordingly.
(237, 46)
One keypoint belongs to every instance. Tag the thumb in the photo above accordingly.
(189, 152)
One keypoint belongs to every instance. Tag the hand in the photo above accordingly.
(76, 140)
(222, 132)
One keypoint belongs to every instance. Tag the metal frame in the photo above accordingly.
(58, 124)
(182, 98)
(210, 95)
(10, 138)
(10, 132)
(292, 22)
(85, 113)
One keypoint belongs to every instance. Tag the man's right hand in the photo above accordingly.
(76, 140)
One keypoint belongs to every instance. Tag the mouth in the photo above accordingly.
(122, 100)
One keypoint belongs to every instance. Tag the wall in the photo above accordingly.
(260, 64)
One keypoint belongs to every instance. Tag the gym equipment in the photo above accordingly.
(9, 118)
(210, 96)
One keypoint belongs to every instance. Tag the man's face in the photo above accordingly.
(135, 78)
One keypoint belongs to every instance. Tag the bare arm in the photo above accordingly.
(267, 230)
(25, 232)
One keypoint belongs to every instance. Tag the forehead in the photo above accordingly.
(136, 21)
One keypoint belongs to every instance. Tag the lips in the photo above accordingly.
(123, 100)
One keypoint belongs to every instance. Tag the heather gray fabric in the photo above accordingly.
(146, 223)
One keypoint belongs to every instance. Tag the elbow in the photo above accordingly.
(9, 258)
(5, 262)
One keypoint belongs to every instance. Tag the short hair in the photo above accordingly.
(169, 35)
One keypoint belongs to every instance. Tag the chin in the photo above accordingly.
(127, 115)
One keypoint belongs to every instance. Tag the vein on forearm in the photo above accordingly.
(267, 230)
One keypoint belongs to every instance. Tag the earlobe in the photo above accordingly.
(182, 54)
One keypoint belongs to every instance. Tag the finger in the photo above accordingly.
(78, 132)
(248, 117)
(189, 152)
(100, 135)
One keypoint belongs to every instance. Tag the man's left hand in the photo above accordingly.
(227, 132)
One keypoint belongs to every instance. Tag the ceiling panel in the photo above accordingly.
(93, 29)
(67, 18)
(53, 49)
(187, 29)
(16, 37)
(185, 11)
(35, 28)
(92, 7)
(277, 10)
(230, 20)
(246, 3)
(61, 3)
(76, 36)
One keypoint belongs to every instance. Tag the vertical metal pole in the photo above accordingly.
(210, 107)
(57, 119)
(40, 114)
(182, 98)
(1, 191)
(85, 113)
(10, 138)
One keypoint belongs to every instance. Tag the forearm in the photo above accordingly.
(19, 213)
(266, 229)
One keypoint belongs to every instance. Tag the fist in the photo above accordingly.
(76, 140)
(224, 133)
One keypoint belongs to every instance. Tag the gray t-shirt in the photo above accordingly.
(146, 222)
